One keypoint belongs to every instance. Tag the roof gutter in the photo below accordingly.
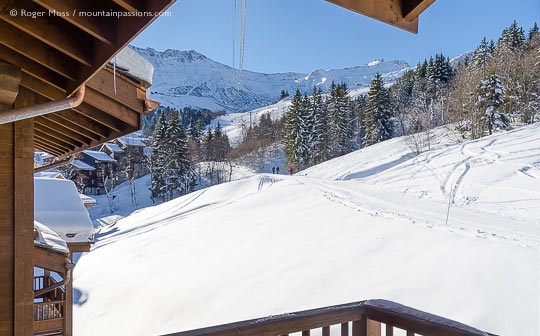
(63, 162)
(41, 109)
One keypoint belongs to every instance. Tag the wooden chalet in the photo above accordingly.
(58, 95)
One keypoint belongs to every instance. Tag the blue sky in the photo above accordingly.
(304, 35)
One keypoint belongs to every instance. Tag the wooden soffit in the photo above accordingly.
(399, 13)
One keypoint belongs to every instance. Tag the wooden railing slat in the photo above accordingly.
(326, 331)
(345, 329)
(389, 330)
(305, 333)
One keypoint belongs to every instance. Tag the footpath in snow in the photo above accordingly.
(371, 224)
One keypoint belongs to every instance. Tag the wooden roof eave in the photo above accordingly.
(398, 13)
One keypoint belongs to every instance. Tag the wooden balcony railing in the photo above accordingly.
(48, 310)
(364, 318)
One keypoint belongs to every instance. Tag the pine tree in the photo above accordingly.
(533, 31)
(158, 165)
(439, 69)
(482, 57)
(291, 130)
(320, 128)
(378, 124)
(490, 100)
(513, 38)
(343, 120)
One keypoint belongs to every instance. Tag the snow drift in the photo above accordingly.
(367, 225)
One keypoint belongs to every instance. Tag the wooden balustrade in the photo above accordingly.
(364, 318)
(48, 310)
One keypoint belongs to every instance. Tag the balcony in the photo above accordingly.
(49, 307)
(364, 318)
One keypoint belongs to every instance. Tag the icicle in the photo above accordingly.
(114, 75)
(242, 40)
(233, 34)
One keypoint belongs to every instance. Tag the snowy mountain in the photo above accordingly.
(371, 224)
(188, 78)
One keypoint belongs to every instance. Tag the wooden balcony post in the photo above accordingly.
(373, 328)
(17, 223)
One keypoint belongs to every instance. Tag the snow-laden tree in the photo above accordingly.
(482, 57)
(378, 125)
(158, 159)
(439, 69)
(512, 39)
(320, 140)
(291, 130)
(490, 100)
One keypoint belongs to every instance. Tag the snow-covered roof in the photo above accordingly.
(99, 156)
(129, 62)
(113, 147)
(82, 165)
(49, 239)
(51, 174)
(87, 199)
(40, 156)
(131, 141)
(57, 205)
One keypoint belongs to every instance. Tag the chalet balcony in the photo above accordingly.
(364, 318)
(49, 307)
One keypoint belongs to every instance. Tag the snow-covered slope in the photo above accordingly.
(188, 78)
(367, 225)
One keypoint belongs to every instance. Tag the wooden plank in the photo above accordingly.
(101, 117)
(126, 90)
(57, 135)
(88, 24)
(37, 51)
(49, 260)
(373, 328)
(326, 331)
(62, 130)
(79, 247)
(410, 333)
(129, 5)
(411, 9)
(345, 329)
(112, 107)
(10, 76)
(6, 228)
(388, 11)
(52, 141)
(83, 122)
(389, 330)
(45, 325)
(23, 218)
(47, 148)
(72, 126)
(359, 327)
(31, 67)
(52, 30)
(305, 333)
(68, 307)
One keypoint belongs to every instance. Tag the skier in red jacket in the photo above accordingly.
(291, 170)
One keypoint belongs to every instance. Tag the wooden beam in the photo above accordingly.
(112, 107)
(99, 116)
(37, 51)
(51, 30)
(388, 11)
(24, 219)
(52, 141)
(46, 148)
(29, 66)
(127, 28)
(10, 77)
(411, 9)
(57, 135)
(87, 23)
(129, 5)
(49, 260)
(62, 130)
(126, 90)
(72, 126)
(7, 223)
(113, 136)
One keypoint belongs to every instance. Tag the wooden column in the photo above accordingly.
(68, 307)
(17, 223)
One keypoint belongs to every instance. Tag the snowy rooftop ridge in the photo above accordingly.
(99, 156)
(48, 239)
(131, 141)
(82, 165)
(113, 147)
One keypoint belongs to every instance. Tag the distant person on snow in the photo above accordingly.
(291, 170)
(277, 170)
(273, 170)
